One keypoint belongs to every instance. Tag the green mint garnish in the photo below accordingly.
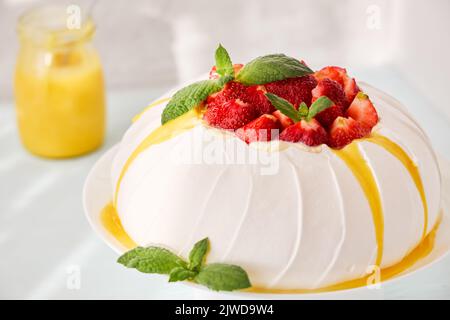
(318, 106)
(193, 95)
(284, 106)
(189, 97)
(273, 67)
(224, 66)
(198, 254)
(303, 111)
(223, 277)
(216, 276)
(151, 260)
(181, 274)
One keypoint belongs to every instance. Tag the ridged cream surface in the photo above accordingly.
(307, 226)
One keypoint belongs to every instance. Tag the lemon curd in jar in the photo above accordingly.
(59, 86)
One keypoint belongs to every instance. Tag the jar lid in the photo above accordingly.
(55, 26)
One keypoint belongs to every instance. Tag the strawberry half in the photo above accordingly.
(363, 111)
(214, 75)
(343, 131)
(232, 114)
(254, 95)
(310, 133)
(284, 119)
(263, 128)
(294, 90)
(339, 75)
(332, 90)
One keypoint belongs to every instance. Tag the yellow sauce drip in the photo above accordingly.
(111, 222)
(154, 104)
(163, 133)
(412, 168)
(421, 251)
(352, 156)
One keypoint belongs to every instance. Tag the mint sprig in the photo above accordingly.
(151, 260)
(224, 66)
(216, 276)
(193, 95)
(303, 111)
(269, 68)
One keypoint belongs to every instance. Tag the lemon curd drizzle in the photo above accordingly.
(111, 222)
(154, 104)
(163, 133)
(355, 161)
(409, 164)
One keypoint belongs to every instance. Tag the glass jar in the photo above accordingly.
(59, 88)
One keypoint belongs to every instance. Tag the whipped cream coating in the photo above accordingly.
(309, 225)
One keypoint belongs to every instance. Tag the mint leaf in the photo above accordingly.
(151, 260)
(271, 68)
(319, 105)
(189, 97)
(303, 110)
(223, 277)
(181, 274)
(224, 66)
(198, 253)
(284, 106)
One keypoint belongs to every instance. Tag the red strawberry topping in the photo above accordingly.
(334, 92)
(343, 131)
(284, 119)
(339, 75)
(310, 133)
(264, 128)
(294, 90)
(232, 114)
(363, 111)
(254, 95)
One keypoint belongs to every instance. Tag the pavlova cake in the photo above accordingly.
(275, 178)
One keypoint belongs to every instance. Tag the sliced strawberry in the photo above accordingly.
(332, 90)
(351, 89)
(339, 75)
(310, 133)
(232, 114)
(294, 90)
(363, 111)
(264, 128)
(254, 95)
(327, 116)
(284, 119)
(214, 75)
(343, 131)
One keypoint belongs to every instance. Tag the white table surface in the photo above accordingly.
(46, 242)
